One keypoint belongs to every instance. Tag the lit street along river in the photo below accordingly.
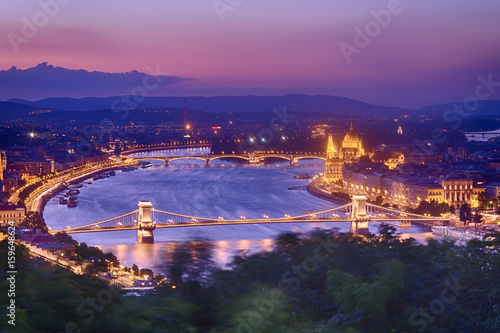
(190, 187)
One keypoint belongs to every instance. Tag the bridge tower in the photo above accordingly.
(146, 226)
(360, 225)
(293, 160)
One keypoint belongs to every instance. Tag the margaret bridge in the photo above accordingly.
(251, 158)
(146, 219)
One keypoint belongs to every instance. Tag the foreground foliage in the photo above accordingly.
(321, 282)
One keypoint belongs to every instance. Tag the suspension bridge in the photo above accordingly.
(146, 219)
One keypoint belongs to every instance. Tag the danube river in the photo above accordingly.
(188, 186)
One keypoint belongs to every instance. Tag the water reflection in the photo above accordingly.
(226, 189)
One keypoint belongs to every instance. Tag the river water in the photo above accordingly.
(188, 186)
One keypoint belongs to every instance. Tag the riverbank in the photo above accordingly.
(314, 189)
(44, 198)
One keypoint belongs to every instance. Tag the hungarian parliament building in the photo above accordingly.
(349, 168)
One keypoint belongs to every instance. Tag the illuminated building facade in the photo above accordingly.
(349, 151)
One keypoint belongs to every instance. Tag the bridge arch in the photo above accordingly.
(211, 158)
(186, 157)
(307, 157)
(283, 157)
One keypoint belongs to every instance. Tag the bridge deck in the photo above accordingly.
(241, 222)
(161, 219)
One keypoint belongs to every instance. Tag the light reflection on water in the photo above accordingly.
(190, 187)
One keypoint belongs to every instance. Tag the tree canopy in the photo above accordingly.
(323, 281)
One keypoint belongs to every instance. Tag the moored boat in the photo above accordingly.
(146, 164)
(128, 168)
(306, 176)
(457, 233)
(72, 201)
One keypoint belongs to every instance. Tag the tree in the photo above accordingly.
(33, 220)
(387, 232)
(192, 261)
(118, 150)
(65, 238)
(477, 218)
(432, 208)
(379, 200)
(483, 200)
(465, 214)
(287, 240)
(135, 269)
(146, 272)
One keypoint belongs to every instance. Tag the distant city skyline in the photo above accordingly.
(397, 53)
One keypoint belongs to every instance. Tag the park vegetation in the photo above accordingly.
(323, 281)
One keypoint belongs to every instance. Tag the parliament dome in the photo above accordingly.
(351, 139)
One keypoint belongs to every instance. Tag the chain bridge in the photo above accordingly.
(146, 219)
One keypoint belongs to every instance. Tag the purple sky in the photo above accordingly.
(431, 51)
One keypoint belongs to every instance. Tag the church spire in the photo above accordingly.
(352, 128)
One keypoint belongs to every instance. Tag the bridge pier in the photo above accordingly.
(145, 235)
(360, 226)
(293, 160)
(167, 161)
(252, 159)
(146, 226)
(208, 160)
(405, 224)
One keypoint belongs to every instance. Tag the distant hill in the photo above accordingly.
(293, 103)
(15, 108)
(486, 108)
(174, 115)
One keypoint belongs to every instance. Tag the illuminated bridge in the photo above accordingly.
(250, 158)
(146, 219)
